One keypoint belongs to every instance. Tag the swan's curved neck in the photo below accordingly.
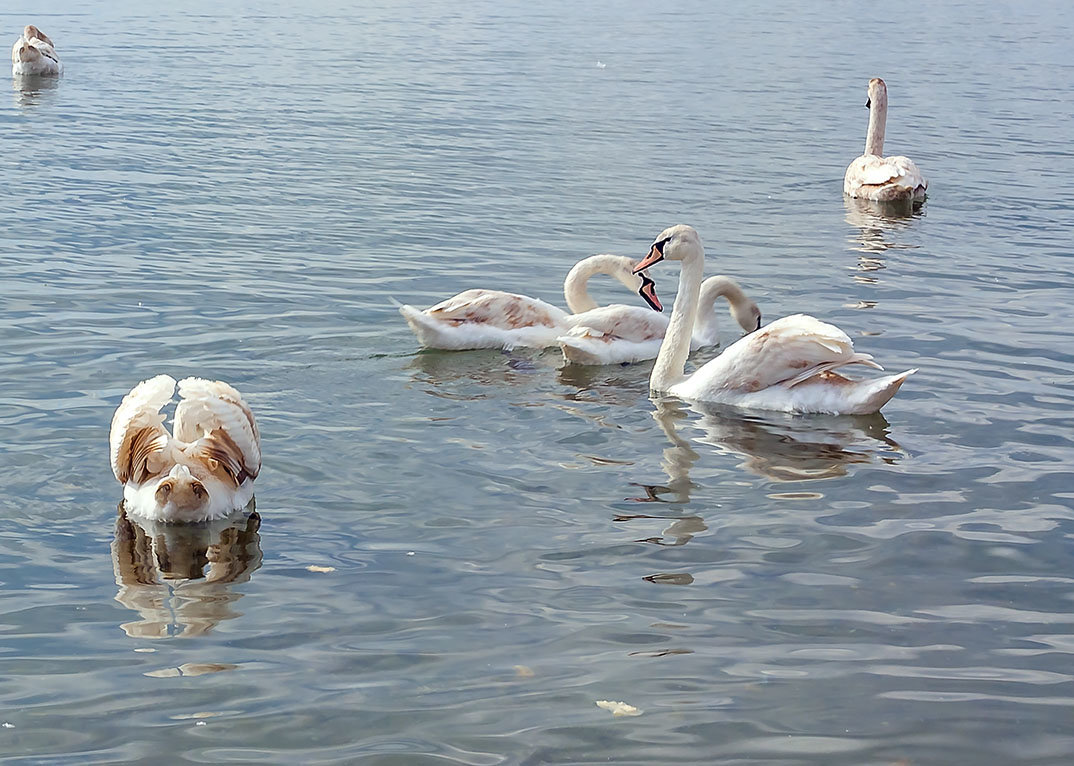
(711, 289)
(878, 116)
(671, 361)
(575, 287)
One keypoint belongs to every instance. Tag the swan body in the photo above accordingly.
(204, 469)
(790, 365)
(875, 177)
(34, 54)
(495, 319)
(622, 334)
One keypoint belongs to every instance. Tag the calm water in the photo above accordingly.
(240, 192)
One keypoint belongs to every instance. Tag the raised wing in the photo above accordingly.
(213, 417)
(138, 437)
(788, 352)
(499, 309)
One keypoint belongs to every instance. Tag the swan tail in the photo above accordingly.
(874, 394)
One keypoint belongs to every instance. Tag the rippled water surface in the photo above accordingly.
(496, 541)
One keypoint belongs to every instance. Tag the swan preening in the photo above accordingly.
(201, 471)
(621, 334)
(874, 176)
(496, 319)
(34, 54)
(788, 365)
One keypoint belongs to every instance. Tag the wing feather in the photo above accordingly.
(138, 437)
(214, 415)
(499, 309)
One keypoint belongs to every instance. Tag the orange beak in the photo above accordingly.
(655, 256)
(648, 292)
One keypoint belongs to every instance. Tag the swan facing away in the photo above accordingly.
(789, 365)
(34, 54)
(496, 319)
(874, 176)
(621, 334)
(204, 469)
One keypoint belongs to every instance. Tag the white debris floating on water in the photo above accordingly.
(618, 708)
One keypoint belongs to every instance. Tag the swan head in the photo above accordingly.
(878, 93)
(675, 243)
(181, 491)
(748, 316)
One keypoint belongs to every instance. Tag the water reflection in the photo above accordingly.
(878, 223)
(775, 446)
(485, 367)
(32, 89)
(178, 577)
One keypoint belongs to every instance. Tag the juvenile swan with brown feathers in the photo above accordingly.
(204, 469)
(34, 54)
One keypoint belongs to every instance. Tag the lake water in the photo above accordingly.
(240, 191)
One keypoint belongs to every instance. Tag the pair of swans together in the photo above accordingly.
(589, 334)
(34, 54)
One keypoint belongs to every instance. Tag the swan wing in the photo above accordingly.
(138, 436)
(787, 351)
(494, 307)
(872, 171)
(214, 417)
(618, 321)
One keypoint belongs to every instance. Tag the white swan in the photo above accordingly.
(788, 365)
(495, 319)
(620, 334)
(204, 470)
(873, 176)
(34, 54)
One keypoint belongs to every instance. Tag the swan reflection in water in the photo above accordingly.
(179, 577)
(773, 445)
(876, 223)
(34, 89)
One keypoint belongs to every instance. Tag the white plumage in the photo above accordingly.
(482, 318)
(203, 470)
(34, 54)
(875, 177)
(788, 365)
(621, 334)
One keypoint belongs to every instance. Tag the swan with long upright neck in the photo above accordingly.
(874, 176)
(788, 365)
(495, 319)
(623, 334)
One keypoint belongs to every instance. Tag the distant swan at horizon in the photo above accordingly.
(34, 54)
(789, 365)
(204, 469)
(481, 318)
(874, 176)
(611, 336)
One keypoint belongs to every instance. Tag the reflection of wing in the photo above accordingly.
(178, 576)
(214, 415)
(788, 351)
(138, 436)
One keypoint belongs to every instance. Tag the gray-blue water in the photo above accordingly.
(238, 191)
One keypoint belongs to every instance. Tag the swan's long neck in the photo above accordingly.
(575, 287)
(711, 289)
(671, 361)
(878, 116)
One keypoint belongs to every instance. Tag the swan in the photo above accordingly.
(495, 319)
(789, 365)
(874, 176)
(621, 334)
(204, 469)
(34, 53)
